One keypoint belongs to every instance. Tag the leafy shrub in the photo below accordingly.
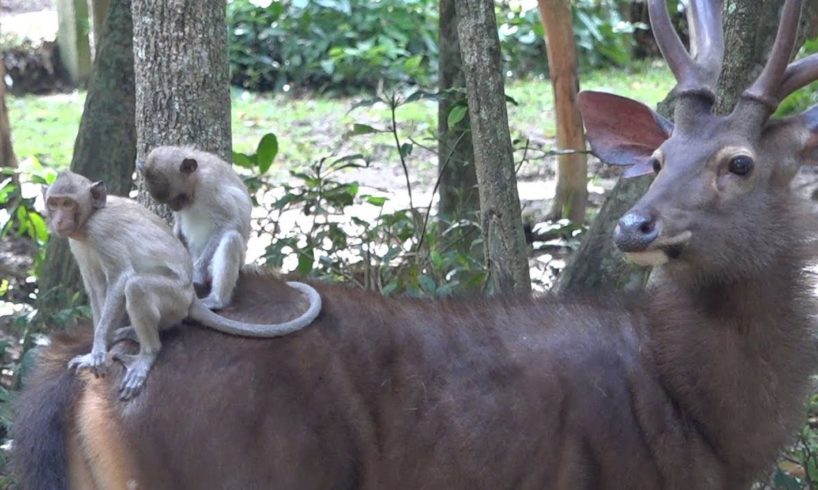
(344, 45)
(331, 43)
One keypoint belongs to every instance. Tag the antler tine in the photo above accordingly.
(797, 75)
(767, 88)
(698, 73)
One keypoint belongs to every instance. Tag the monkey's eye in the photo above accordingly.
(740, 165)
(657, 166)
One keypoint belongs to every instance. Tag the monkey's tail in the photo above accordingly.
(39, 457)
(203, 315)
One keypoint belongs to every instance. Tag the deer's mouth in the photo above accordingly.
(661, 251)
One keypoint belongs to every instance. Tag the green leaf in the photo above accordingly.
(376, 200)
(305, 261)
(242, 160)
(406, 149)
(358, 129)
(456, 115)
(266, 152)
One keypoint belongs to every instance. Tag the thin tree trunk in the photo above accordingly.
(749, 29)
(182, 79)
(105, 147)
(7, 157)
(459, 196)
(506, 250)
(99, 10)
(572, 169)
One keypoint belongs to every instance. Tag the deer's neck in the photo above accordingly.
(736, 357)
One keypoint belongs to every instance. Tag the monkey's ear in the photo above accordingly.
(99, 194)
(189, 165)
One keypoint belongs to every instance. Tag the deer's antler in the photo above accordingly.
(777, 79)
(696, 72)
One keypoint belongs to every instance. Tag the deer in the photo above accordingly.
(697, 382)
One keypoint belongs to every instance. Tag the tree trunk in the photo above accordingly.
(749, 32)
(72, 38)
(182, 78)
(99, 9)
(572, 169)
(105, 147)
(749, 29)
(7, 157)
(459, 196)
(505, 249)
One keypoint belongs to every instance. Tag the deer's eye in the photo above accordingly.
(657, 167)
(741, 165)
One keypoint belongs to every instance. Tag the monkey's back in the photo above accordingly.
(126, 234)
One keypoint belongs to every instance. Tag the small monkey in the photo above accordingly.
(131, 262)
(211, 210)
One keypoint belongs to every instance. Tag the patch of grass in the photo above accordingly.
(45, 127)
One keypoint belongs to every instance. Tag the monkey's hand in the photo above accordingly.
(200, 273)
(95, 361)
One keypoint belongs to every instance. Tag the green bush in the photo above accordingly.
(331, 44)
(346, 45)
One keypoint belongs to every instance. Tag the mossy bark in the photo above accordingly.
(105, 147)
(182, 78)
(459, 195)
(505, 248)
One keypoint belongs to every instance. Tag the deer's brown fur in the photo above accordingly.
(696, 383)
(680, 388)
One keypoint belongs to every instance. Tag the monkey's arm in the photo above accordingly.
(202, 262)
(113, 309)
(177, 230)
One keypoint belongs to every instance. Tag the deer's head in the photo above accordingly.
(721, 182)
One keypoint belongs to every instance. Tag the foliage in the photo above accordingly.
(344, 45)
(368, 239)
(330, 43)
(17, 214)
(806, 97)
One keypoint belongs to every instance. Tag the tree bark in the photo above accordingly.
(105, 147)
(99, 10)
(505, 248)
(72, 38)
(749, 30)
(7, 156)
(182, 78)
(459, 196)
(572, 169)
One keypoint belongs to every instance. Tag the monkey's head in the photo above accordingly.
(170, 176)
(70, 201)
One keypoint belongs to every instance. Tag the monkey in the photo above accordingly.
(130, 262)
(211, 210)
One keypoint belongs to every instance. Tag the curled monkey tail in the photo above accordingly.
(203, 315)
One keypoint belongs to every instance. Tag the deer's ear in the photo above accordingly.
(622, 131)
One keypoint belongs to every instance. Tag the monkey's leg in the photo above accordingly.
(151, 301)
(225, 266)
(142, 304)
(125, 333)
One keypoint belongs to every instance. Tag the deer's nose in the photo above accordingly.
(636, 231)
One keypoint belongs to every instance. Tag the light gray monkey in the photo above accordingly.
(131, 262)
(211, 210)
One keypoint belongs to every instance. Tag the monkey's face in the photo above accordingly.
(169, 178)
(63, 215)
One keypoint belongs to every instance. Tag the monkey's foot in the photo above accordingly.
(95, 361)
(137, 368)
(125, 333)
(213, 303)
